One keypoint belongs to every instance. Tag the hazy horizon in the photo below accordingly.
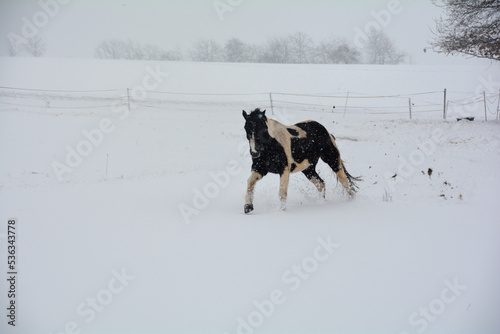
(74, 28)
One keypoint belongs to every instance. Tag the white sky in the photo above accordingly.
(78, 26)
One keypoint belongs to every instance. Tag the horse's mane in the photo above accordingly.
(256, 111)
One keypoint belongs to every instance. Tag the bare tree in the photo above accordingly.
(255, 53)
(235, 51)
(380, 49)
(134, 50)
(12, 48)
(110, 49)
(471, 27)
(336, 52)
(171, 55)
(343, 53)
(206, 50)
(277, 50)
(35, 46)
(151, 52)
(301, 46)
(129, 49)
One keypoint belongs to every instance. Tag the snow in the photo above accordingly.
(411, 253)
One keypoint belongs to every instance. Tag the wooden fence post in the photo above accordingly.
(409, 105)
(107, 161)
(346, 99)
(128, 99)
(271, 100)
(498, 106)
(485, 109)
(444, 105)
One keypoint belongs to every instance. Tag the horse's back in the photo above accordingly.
(314, 129)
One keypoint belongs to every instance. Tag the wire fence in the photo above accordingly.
(433, 104)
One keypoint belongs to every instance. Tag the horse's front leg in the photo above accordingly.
(252, 180)
(284, 178)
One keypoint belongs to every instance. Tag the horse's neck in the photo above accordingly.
(279, 132)
(275, 125)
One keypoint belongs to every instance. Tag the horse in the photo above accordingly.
(284, 150)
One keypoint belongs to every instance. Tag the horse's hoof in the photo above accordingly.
(248, 208)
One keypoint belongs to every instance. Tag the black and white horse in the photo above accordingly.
(279, 149)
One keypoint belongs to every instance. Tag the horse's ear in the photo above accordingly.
(264, 112)
(245, 115)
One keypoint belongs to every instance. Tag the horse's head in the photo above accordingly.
(256, 129)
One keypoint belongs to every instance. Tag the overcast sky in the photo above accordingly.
(76, 27)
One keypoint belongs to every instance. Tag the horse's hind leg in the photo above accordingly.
(313, 176)
(342, 176)
(332, 159)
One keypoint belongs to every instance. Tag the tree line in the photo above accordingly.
(34, 46)
(130, 49)
(470, 27)
(298, 48)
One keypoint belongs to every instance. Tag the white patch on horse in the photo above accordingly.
(300, 167)
(252, 180)
(252, 144)
(279, 132)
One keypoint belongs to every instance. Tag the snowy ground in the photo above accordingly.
(146, 233)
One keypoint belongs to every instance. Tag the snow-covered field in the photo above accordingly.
(132, 221)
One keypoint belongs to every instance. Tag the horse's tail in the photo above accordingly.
(351, 179)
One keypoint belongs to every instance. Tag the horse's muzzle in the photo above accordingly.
(255, 155)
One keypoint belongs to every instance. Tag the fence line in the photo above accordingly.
(411, 103)
(53, 107)
(61, 91)
(235, 94)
